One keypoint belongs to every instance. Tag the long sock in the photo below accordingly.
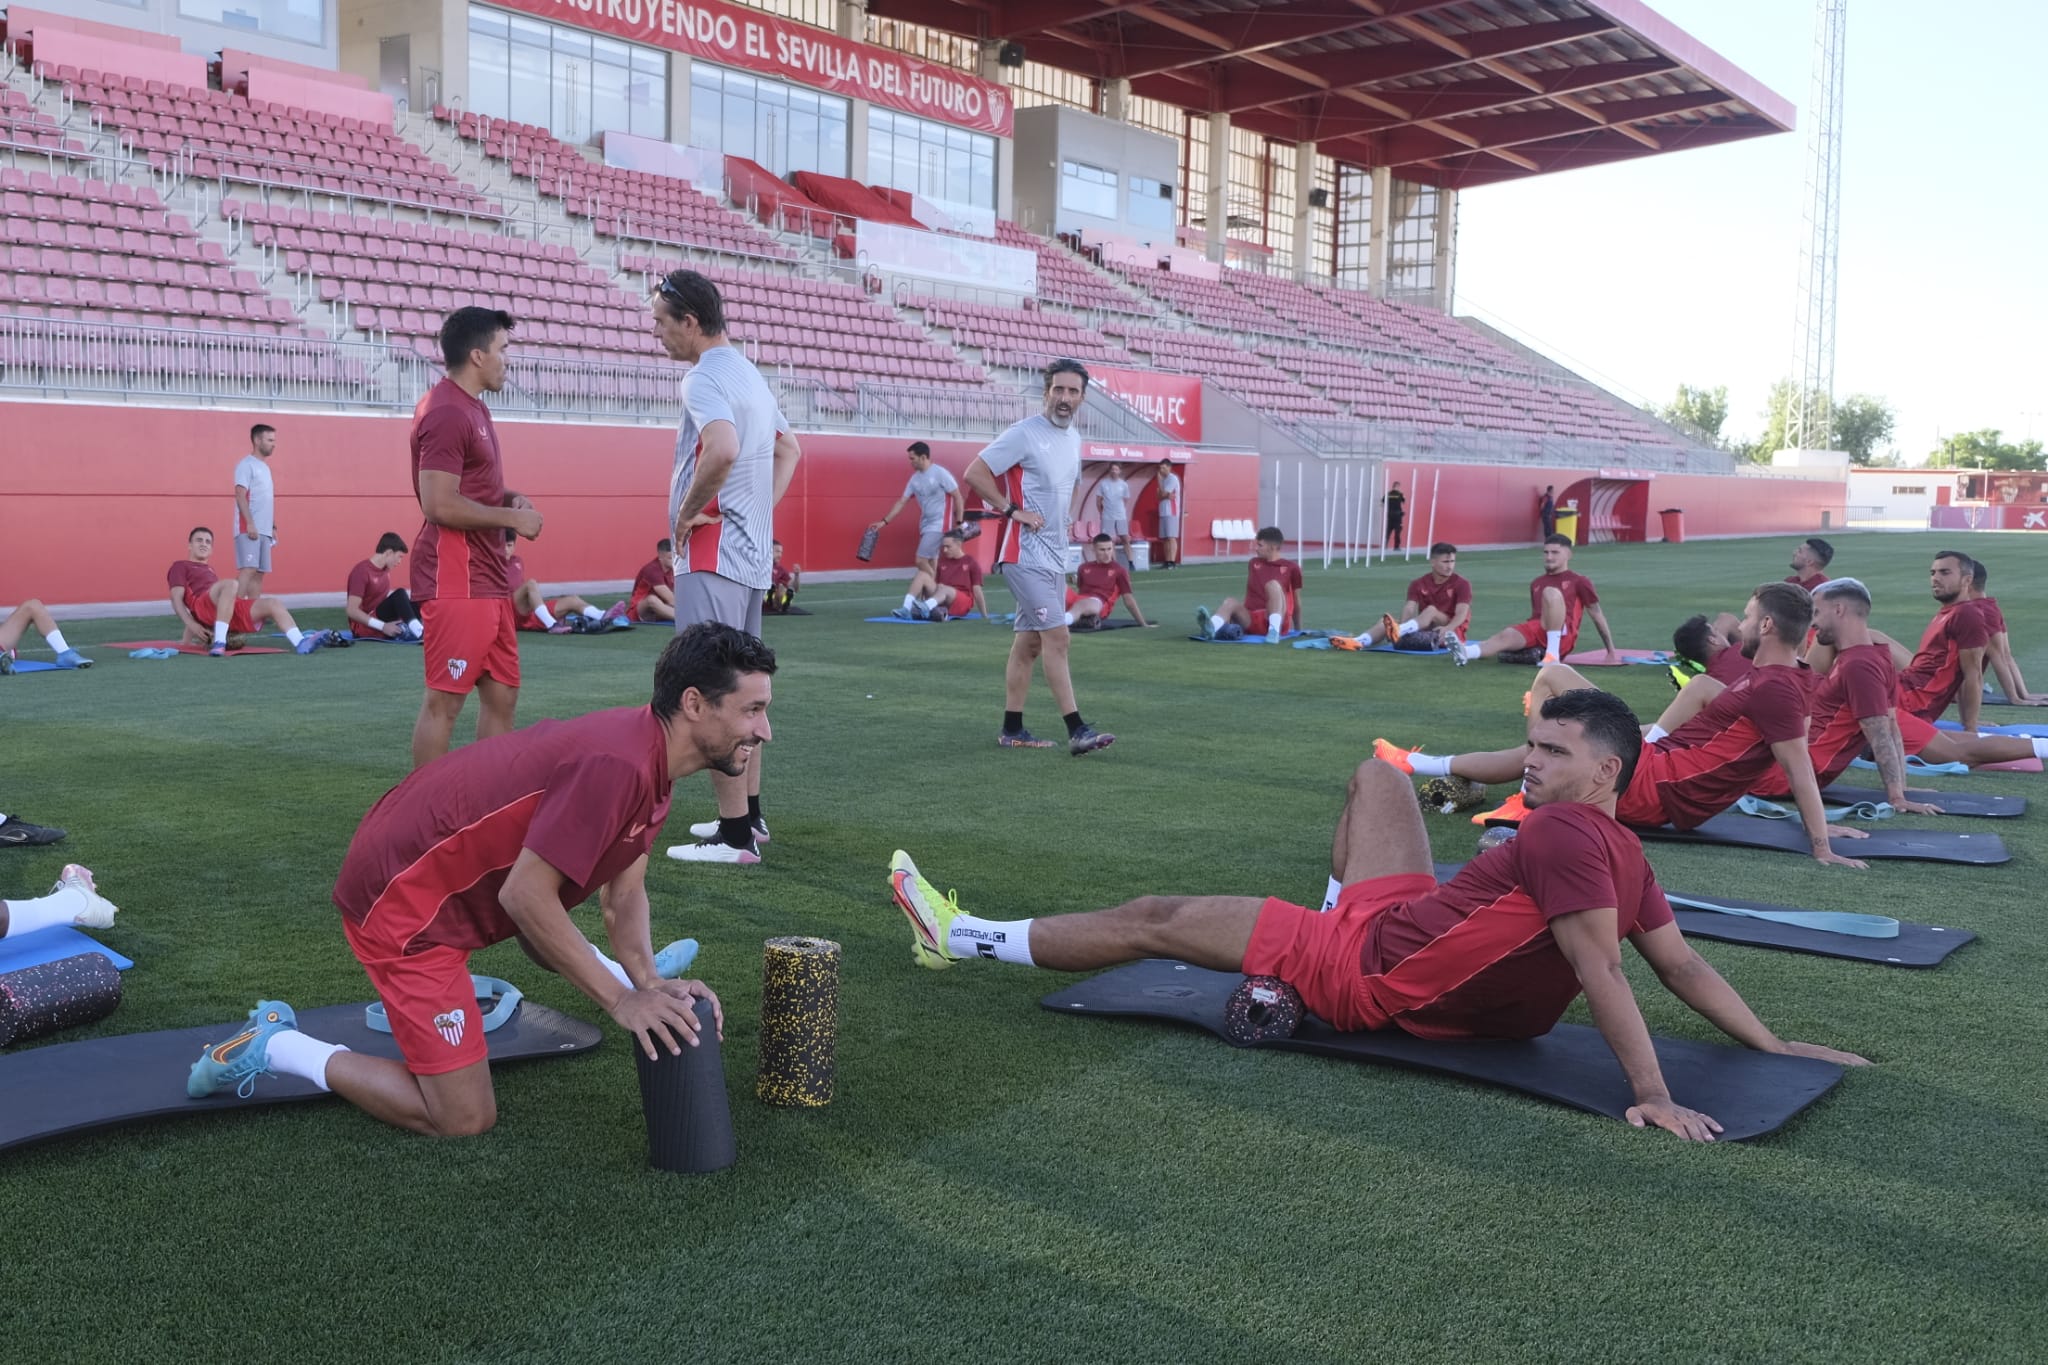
(415, 629)
(736, 831)
(754, 809)
(1654, 733)
(1215, 622)
(220, 632)
(1013, 722)
(1336, 889)
(56, 639)
(909, 601)
(1552, 639)
(592, 614)
(1427, 765)
(1407, 628)
(295, 635)
(544, 616)
(1471, 651)
(2041, 748)
(1005, 940)
(618, 972)
(292, 1053)
(1074, 722)
(59, 907)
(930, 604)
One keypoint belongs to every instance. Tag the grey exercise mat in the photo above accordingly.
(1748, 1093)
(1918, 945)
(1787, 836)
(1978, 805)
(104, 1082)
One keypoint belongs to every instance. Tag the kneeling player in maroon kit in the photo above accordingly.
(1500, 951)
(500, 840)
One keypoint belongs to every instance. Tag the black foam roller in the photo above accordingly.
(689, 1123)
(57, 995)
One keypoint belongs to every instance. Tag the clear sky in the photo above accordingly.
(1681, 268)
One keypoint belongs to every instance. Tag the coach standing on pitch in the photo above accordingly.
(1048, 450)
(458, 571)
(734, 460)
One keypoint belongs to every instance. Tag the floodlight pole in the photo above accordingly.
(1811, 422)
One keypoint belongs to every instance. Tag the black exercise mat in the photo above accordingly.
(1113, 623)
(1748, 1093)
(1967, 804)
(793, 611)
(104, 1082)
(1918, 945)
(1788, 836)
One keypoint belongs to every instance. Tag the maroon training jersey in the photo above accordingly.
(962, 575)
(1729, 665)
(651, 576)
(1935, 675)
(1106, 581)
(1285, 572)
(1987, 607)
(588, 795)
(1809, 583)
(1716, 758)
(192, 578)
(1475, 958)
(1578, 595)
(369, 583)
(452, 433)
(1862, 685)
(1446, 595)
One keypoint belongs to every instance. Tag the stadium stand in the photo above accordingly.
(1237, 372)
(1014, 338)
(1066, 279)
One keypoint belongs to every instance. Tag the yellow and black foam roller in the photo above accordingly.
(799, 1021)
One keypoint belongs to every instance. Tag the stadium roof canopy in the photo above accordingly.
(1457, 93)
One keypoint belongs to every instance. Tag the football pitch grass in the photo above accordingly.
(994, 1182)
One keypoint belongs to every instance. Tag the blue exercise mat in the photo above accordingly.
(914, 621)
(1251, 639)
(50, 945)
(38, 666)
(2033, 729)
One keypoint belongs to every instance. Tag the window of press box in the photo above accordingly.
(574, 83)
(1088, 189)
(785, 128)
(1151, 203)
(300, 21)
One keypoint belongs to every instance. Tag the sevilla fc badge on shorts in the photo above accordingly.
(450, 1025)
(457, 667)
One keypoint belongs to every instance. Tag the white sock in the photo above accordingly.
(1407, 628)
(618, 972)
(1215, 623)
(1067, 618)
(544, 616)
(56, 639)
(1273, 630)
(1654, 733)
(415, 629)
(1471, 651)
(220, 632)
(592, 614)
(1336, 889)
(292, 1053)
(1005, 940)
(1552, 639)
(2041, 748)
(59, 907)
(930, 604)
(1426, 765)
(295, 635)
(909, 601)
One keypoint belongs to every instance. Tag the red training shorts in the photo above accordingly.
(1915, 734)
(1536, 637)
(1262, 621)
(468, 639)
(239, 622)
(1322, 955)
(427, 995)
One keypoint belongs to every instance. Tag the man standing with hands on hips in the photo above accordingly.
(1048, 451)
(255, 513)
(734, 460)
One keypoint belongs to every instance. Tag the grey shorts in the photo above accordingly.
(1120, 527)
(714, 597)
(253, 552)
(928, 542)
(1041, 597)
(1169, 527)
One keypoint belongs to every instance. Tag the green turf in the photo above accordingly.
(994, 1182)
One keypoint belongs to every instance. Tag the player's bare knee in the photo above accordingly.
(466, 1122)
(1374, 778)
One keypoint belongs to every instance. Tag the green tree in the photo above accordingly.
(1862, 423)
(1703, 410)
(1986, 449)
(1777, 434)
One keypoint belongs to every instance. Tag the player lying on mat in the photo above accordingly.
(653, 597)
(34, 613)
(1710, 761)
(500, 840)
(212, 615)
(1438, 609)
(1709, 646)
(1099, 584)
(1272, 596)
(567, 614)
(951, 589)
(1500, 951)
(1559, 599)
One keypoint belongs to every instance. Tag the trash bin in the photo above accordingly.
(1568, 523)
(1141, 556)
(1674, 525)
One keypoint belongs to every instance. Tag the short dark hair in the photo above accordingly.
(687, 294)
(954, 535)
(258, 430)
(1066, 365)
(1559, 538)
(391, 540)
(1690, 641)
(1789, 606)
(664, 546)
(1442, 547)
(1979, 574)
(1822, 551)
(919, 448)
(1964, 563)
(1851, 589)
(1607, 722)
(196, 530)
(1271, 535)
(709, 657)
(1102, 537)
(470, 329)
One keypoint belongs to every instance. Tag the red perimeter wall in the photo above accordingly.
(99, 499)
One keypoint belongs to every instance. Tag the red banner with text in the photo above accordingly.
(754, 41)
(1171, 402)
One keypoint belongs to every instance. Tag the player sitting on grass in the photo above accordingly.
(498, 840)
(1500, 951)
(34, 613)
(783, 582)
(654, 588)
(566, 615)
(1098, 585)
(375, 609)
(952, 589)
(1272, 596)
(209, 611)
(1708, 762)
(1438, 609)
(1810, 560)
(1558, 600)
(72, 901)
(1708, 647)
(1998, 648)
